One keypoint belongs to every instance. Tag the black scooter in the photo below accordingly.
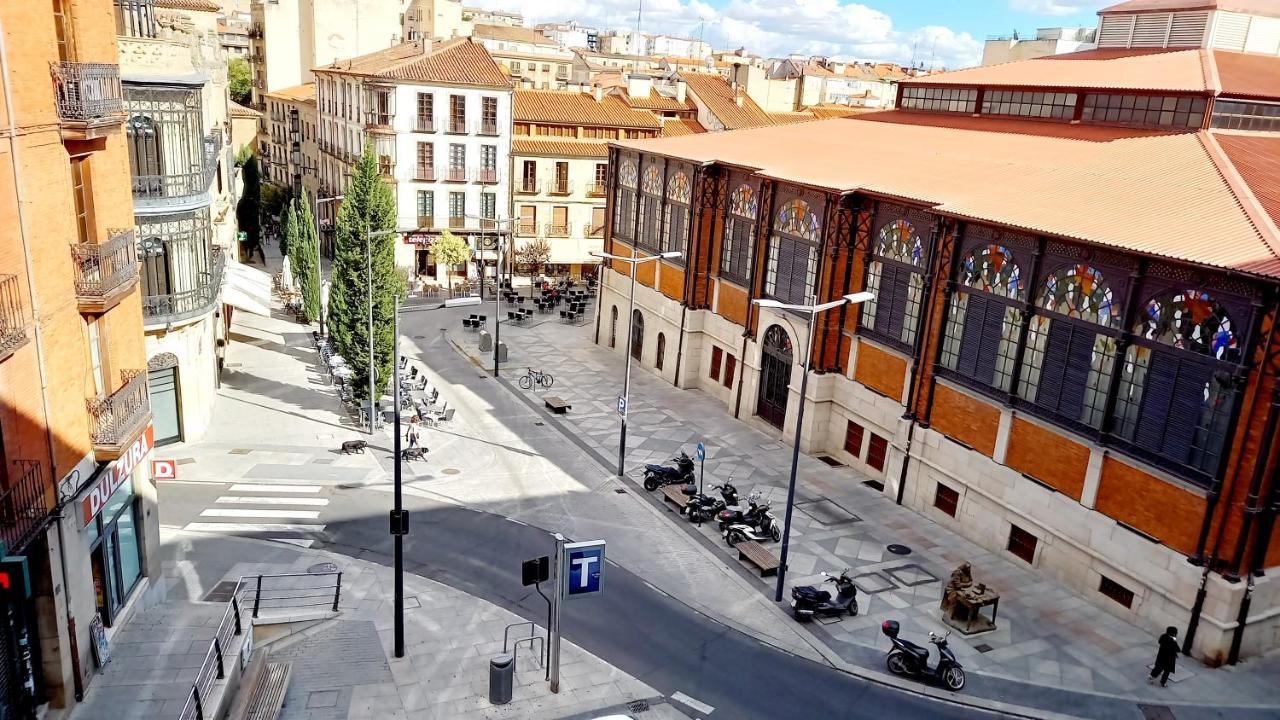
(907, 658)
(655, 476)
(758, 525)
(701, 508)
(734, 515)
(808, 601)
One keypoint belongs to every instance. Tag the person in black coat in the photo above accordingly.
(1166, 656)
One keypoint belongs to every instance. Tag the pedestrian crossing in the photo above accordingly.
(280, 512)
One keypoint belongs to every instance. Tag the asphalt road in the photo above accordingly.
(647, 634)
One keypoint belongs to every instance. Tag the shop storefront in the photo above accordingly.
(111, 516)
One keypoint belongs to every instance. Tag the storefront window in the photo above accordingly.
(130, 566)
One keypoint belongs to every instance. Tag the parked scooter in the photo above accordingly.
(758, 524)
(907, 658)
(655, 476)
(808, 601)
(733, 515)
(701, 508)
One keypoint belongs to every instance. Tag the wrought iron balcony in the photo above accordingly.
(13, 319)
(425, 125)
(557, 229)
(186, 304)
(488, 128)
(424, 173)
(527, 186)
(178, 188)
(116, 420)
(26, 506)
(595, 190)
(457, 174)
(559, 187)
(105, 272)
(527, 228)
(487, 175)
(376, 120)
(90, 99)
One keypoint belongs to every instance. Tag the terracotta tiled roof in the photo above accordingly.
(1248, 7)
(1162, 194)
(656, 101)
(719, 97)
(510, 33)
(235, 109)
(1248, 74)
(1257, 159)
(786, 118)
(559, 147)
(304, 93)
(1182, 70)
(578, 108)
(675, 127)
(828, 110)
(194, 5)
(454, 62)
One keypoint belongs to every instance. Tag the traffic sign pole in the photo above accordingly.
(554, 630)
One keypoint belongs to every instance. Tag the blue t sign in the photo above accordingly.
(583, 570)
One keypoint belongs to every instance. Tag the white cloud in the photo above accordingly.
(1056, 7)
(834, 28)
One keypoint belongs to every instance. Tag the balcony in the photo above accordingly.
(186, 304)
(90, 99)
(487, 175)
(457, 222)
(593, 231)
(595, 190)
(386, 166)
(457, 127)
(376, 121)
(456, 174)
(179, 188)
(559, 187)
(26, 506)
(116, 420)
(424, 125)
(527, 186)
(105, 272)
(527, 228)
(424, 174)
(488, 128)
(13, 319)
(426, 221)
(559, 230)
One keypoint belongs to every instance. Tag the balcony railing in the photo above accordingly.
(593, 231)
(13, 320)
(557, 229)
(488, 128)
(487, 175)
(457, 222)
(458, 128)
(527, 228)
(559, 187)
(424, 174)
(425, 125)
(456, 174)
(595, 190)
(527, 186)
(88, 94)
(116, 420)
(176, 187)
(26, 506)
(105, 272)
(179, 306)
(376, 119)
(386, 166)
(426, 221)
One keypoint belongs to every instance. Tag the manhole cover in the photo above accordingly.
(451, 471)
(221, 592)
(983, 648)
(620, 491)
(638, 706)
(897, 549)
(827, 512)
(874, 485)
(325, 567)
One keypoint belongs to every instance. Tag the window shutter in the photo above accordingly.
(980, 341)
(1079, 361)
(1172, 405)
(786, 265)
(1054, 367)
(901, 281)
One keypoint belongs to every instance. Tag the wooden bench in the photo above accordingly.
(557, 405)
(754, 553)
(674, 494)
(267, 683)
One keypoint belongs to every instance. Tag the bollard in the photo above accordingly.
(502, 351)
(502, 670)
(486, 341)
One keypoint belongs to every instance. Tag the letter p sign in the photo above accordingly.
(583, 569)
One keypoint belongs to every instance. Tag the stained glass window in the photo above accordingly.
(991, 269)
(627, 174)
(1079, 291)
(791, 265)
(982, 331)
(1190, 320)
(678, 188)
(899, 241)
(795, 219)
(738, 244)
(743, 202)
(652, 182)
(897, 288)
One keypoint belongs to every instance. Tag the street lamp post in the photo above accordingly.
(320, 256)
(633, 261)
(812, 312)
(368, 269)
(497, 277)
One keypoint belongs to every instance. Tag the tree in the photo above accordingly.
(308, 260)
(247, 209)
(532, 256)
(240, 81)
(289, 236)
(368, 207)
(451, 251)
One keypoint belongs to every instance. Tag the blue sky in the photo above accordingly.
(950, 32)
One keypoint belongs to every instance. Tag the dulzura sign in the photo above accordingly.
(117, 474)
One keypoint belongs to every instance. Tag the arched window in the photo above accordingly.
(1175, 395)
(676, 221)
(662, 350)
(624, 203)
(637, 334)
(739, 235)
(895, 279)
(1071, 346)
(613, 326)
(650, 203)
(792, 266)
(983, 320)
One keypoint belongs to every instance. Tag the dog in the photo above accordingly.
(418, 453)
(354, 446)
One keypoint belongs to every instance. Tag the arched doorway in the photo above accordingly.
(637, 334)
(613, 326)
(775, 376)
(662, 350)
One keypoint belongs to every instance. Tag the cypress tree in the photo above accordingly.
(289, 240)
(369, 206)
(308, 269)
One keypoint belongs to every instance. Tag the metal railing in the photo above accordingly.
(170, 188)
(88, 92)
(593, 231)
(526, 227)
(527, 186)
(456, 174)
(457, 222)
(13, 319)
(425, 174)
(595, 190)
(487, 175)
(558, 187)
(488, 128)
(255, 593)
(179, 306)
(557, 229)
(458, 128)
(135, 18)
(117, 418)
(375, 118)
(425, 125)
(26, 507)
(101, 269)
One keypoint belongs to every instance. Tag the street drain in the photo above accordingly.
(222, 592)
(983, 648)
(638, 706)
(185, 461)
(897, 549)
(451, 471)
(324, 567)
(830, 461)
(874, 485)
(350, 486)
(539, 424)
(620, 491)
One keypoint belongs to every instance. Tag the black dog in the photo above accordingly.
(351, 446)
(415, 453)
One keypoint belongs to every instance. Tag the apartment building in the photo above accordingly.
(1047, 41)
(482, 16)
(289, 37)
(438, 116)
(434, 20)
(78, 517)
(722, 106)
(1060, 363)
(570, 35)
(587, 64)
(798, 82)
(289, 150)
(531, 59)
(559, 158)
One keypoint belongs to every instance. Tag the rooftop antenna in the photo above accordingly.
(931, 54)
(913, 52)
(635, 62)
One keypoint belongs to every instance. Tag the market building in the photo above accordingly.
(1070, 354)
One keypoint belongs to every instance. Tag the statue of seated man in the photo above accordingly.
(960, 585)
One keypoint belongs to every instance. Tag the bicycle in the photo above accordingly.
(529, 379)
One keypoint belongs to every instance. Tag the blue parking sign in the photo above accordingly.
(702, 452)
(583, 569)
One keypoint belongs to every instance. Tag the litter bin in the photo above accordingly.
(502, 670)
(502, 352)
(486, 341)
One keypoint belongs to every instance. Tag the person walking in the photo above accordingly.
(1166, 657)
(412, 434)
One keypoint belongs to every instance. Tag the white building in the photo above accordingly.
(569, 35)
(438, 116)
(677, 46)
(1048, 41)
(288, 154)
(532, 59)
(1213, 24)
(480, 16)
(434, 20)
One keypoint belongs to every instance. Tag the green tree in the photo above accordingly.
(532, 256)
(247, 209)
(240, 80)
(308, 260)
(369, 206)
(289, 239)
(451, 250)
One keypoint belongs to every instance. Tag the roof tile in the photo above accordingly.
(559, 147)
(721, 100)
(454, 62)
(676, 127)
(511, 33)
(578, 108)
(1178, 70)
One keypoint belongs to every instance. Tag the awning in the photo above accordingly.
(247, 289)
(574, 251)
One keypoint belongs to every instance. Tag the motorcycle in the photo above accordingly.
(701, 508)
(735, 514)
(907, 658)
(808, 601)
(655, 476)
(758, 524)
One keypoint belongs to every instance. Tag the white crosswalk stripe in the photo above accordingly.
(249, 500)
(257, 513)
(272, 511)
(272, 488)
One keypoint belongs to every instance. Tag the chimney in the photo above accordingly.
(680, 89)
(737, 99)
(426, 45)
(599, 93)
(639, 85)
